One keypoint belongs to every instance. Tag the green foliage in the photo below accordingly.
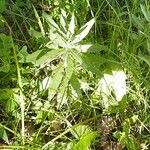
(2, 6)
(3, 135)
(5, 45)
(125, 137)
(54, 56)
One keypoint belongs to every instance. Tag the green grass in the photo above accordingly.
(51, 64)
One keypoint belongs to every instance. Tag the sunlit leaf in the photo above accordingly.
(62, 95)
(42, 56)
(41, 116)
(90, 48)
(53, 25)
(44, 84)
(47, 56)
(31, 57)
(50, 21)
(84, 30)
(56, 80)
(80, 130)
(85, 141)
(75, 84)
(116, 83)
(71, 28)
(63, 20)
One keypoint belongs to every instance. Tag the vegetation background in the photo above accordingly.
(74, 74)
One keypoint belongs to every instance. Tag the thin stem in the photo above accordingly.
(22, 103)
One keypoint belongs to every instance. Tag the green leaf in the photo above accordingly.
(120, 108)
(5, 45)
(3, 135)
(31, 58)
(145, 58)
(53, 25)
(5, 94)
(137, 22)
(75, 84)
(57, 77)
(23, 54)
(34, 33)
(85, 141)
(5, 66)
(126, 140)
(93, 63)
(63, 20)
(47, 56)
(145, 12)
(62, 94)
(71, 28)
(2, 6)
(131, 143)
(39, 21)
(41, 116)
(42, 56)
(51, 21)
(80, 130)
(10, 105)
(84, 30)
(90, 48)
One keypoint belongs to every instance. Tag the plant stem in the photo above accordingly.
(22, 103)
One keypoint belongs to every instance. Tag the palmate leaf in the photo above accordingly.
(84, 30)
(56, 80)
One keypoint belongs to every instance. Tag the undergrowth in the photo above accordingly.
(74, 74)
